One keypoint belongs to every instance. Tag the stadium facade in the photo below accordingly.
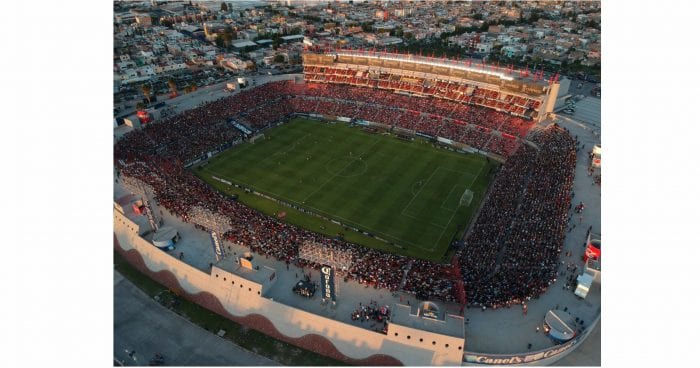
(504, 90)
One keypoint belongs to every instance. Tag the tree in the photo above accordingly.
(367, 26)
(146, 89)
(224, 7)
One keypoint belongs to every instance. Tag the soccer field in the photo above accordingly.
(407, 193)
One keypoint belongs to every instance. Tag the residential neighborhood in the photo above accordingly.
(175, 47)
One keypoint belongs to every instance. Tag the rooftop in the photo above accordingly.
(452, 325)
(260, 276)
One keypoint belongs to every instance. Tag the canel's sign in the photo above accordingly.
(328, 282)
(518, 359)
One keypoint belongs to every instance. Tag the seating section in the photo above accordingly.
(510, 254)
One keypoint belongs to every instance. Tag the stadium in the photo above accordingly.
(414, 178)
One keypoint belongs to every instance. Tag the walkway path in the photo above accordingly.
(143, 325)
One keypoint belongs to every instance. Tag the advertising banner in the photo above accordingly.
(328, 282)
(533, 89)
(221, 180)
(444, 140)
(517, 359)
(391, 64)
(345, 59)
(217, 245)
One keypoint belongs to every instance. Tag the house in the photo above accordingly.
(513, 50)
(292, 38)
(164, 68)
(576, 55)
(143, 20)
(484, 47)
(146, 71)
(240, 45)
(593, 54)
(495, 29)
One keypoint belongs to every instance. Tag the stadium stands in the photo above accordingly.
(509, 255)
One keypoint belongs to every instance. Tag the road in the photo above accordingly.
(585, 89)
(187, 101)
(143, 325)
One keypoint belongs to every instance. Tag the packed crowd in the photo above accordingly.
(497, 267)
(511, 253)
(430, 281)
(443, 90)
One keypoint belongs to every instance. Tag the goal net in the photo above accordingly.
(260, 136)
(467, 197)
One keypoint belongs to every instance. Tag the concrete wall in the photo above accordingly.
(294, 325)
(539, 358)
(231, 284)
(445, 350)
(550, 101)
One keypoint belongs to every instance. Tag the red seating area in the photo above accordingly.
(440, 89)
(525, 250)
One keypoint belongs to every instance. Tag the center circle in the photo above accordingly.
(346, 167)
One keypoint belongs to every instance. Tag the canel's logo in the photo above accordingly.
(326, 270)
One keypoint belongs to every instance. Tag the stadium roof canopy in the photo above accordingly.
(447, 63)
(451, 325)
(561, 325)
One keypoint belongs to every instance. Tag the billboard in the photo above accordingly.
(328, 282)
(493, 79)
(425, 68)
(458, 73)
(391, 64)
(345, 59)
(374, 62)
(534, 89)
(441, 70)
(513, 85)
(496, 359)
(310, 58)
(406, 65)
(359, 60)
(217, 245)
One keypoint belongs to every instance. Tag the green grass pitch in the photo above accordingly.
(407, 193)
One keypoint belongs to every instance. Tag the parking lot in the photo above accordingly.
(586, 110)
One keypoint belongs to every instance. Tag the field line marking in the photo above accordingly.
(420, 190)
(362, 226)
(338, 173)
(319, 211)
(453, 215)
(422, 220)
(446, 198)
